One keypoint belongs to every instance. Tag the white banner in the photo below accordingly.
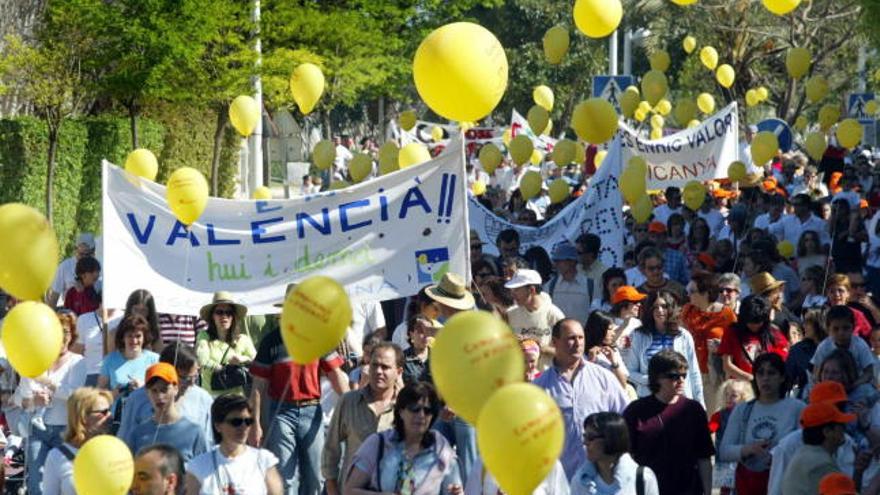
(598, 210)
(702, 153)
(382, 239)
(519, 125)
(474, 138)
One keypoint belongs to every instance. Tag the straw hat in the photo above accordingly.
(763, 283)
(223, 297)
(452, 292)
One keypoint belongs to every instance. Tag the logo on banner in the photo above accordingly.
(432, 264)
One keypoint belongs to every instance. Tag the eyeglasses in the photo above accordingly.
(415, 409)
(676, 376)
(102, 412)
(239, 422)
(224, 312)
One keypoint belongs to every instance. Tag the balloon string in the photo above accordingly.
(277, 408)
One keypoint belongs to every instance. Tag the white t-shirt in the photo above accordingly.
(663, 212)
(58, 473)
(715, 220)
(366, 318)
(481, 482)
(88, 329)
(56, 411)
(246, 472)
(535, 324)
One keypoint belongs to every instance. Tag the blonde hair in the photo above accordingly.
(80, 402)
(742, 387)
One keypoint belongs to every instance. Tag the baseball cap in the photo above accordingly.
(627, 293)
(823, 413)
(565, 251)
(828, 391)
(86, 238)
(837, 484)
(165, 371)
(656, 228)
(707, 259)
(524, 277)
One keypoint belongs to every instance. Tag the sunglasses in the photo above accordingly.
(224, 312)
(239, 422)
(102, 412)
(415, 409)
(676, 376)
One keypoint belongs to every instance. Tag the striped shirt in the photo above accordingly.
(180, 327)
(659, 341)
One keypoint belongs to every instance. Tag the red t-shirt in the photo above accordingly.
(289, 381)
(744, 353)
(81, 301)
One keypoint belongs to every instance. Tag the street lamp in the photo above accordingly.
(638, 36)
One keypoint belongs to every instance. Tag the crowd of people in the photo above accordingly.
(735, 351)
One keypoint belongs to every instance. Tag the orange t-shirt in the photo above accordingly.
(705, 325)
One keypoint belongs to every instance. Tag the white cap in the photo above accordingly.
(86, 238)
(524, 277)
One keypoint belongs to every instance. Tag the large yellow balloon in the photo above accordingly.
(262, 193)
(543, 96)
(764, 146)
(817, 88)
(530, 184)
(490, 157)
(816, 143)
(694, 195)
(460, 71)
(642, 208)
(801, 123)
(474, 354)
(142, 162)
(314, 319)
(187, 194)
(654, 86)
(664, 107)
(709, 57)
(32, 337)
(520, 149)
(597, 18)
(360, 166)
(725, 75)
(244, 113)
(689, 43)
(559, 190)
(634, 180)
(388, 158)
(103, 466)
(407, 120)
(736, 171)
(659, 60)
(752, 98)
(849, 133)
(797, 62)
(307, 86)
(564, 152)
(685, 111)
(556, 43)
(706, 103)
(478, 188)
(538, 118)
(28, 253)
(781, 7)
(629, 101)
(413, 154)
(520, 434)
(323, 154)
(594, 120)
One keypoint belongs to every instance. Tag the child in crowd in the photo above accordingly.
(731, 393)
(840, 322)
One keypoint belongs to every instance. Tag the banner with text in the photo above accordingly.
(381, 239)
(598, 210)
(702, 153)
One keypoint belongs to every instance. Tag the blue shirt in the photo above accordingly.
(593, 389)
(195, 405)
(121, 370)
(183, 435)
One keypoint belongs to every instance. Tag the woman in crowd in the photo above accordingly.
(409, 458)
(223, 344)
(601, 347)
(661, 330)
(419, 305)
(698, 239)
(140, 302)
(797, 365)
(675, 237)
(233, 466)
(416, 365)
(669, 433)
(756, 426)
(83, 297)
(751, 336)
(728, 291)
(87, 416)
(123, 370)
(612, 279)
(609, 469)
(862, 397)
(847, 235)
(765, 285)
(496, 297)
(837, 291)
(810, 292)
(810, 252)
(626, 310)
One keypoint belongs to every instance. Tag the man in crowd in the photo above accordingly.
(534, 314)
(824, 431)
(675, 263)
(158, 470)
(588, 247)
(570, 290)
(672, 205)
(790, 227)
(651, 265)
(65, 275)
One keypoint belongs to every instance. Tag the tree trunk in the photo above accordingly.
(132, 119)
(381, 137)
(50, 169)
(327, 133)
(219, 130)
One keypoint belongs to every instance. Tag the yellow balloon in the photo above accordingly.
(556, 43)
(634, 179)
(244, 113)
(664, 107)
(594, 120)
(543, 96)
(801, 123)
(538, 118)
(466, 126)
(849, 133)
(28, 253)
(785, 248)
(694, 195)
(559, 191)
(103, 466)
(520, 149)
(478, 188)
(657, 121)
(564, 152)
(460, 71)
(314, 319)
(360, 167)
(642, 208)
(413, 154)
(871, 107)
(388, 158)
(764, 146)
(323, 154)
(338, 184)
(817, 88)
(654, 86)
(520, 434)
(490, 157)
(693, 123)
(763, 93)
(437, 133)
(709, 57)
(536, 157)
(685, 111)
(706, 103)
(506, 136)
(32, 337)
(684, 2)
(580, 153)
(816, 143)
(689, 43)
(640, 114)
(530, 184)
(797, 62)
(599, 158)
(142, 162)
(656, 133)
(659, 60)
(407, 120)
(597, 18)
(262, 193)
(548, 129)
(307, 86)
(829, 114)
(725, 75)
(781, 7)
(645, 107)
(187, 194)
(629, 101)
(877, 75)
(752, 98)
(474, 354)
(736, 171)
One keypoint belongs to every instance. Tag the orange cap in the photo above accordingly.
(823, 413)
(837, 484)
(656, 228)
(828, 391)
(164, 371)
(769, 184)
(627, 293)
(707, 259)
(834, 183)
(863, 203)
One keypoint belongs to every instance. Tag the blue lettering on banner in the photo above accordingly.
(414, 197)
(213, 240)
(144, 236)
(263, 207)
(257, 229)
(343, 214)
(324, 228)
(179, 231)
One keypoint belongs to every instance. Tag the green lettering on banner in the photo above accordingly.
(226, 271)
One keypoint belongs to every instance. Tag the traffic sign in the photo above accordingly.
(857, 103)
(782, 131)
(611, 87)
(869, 138)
